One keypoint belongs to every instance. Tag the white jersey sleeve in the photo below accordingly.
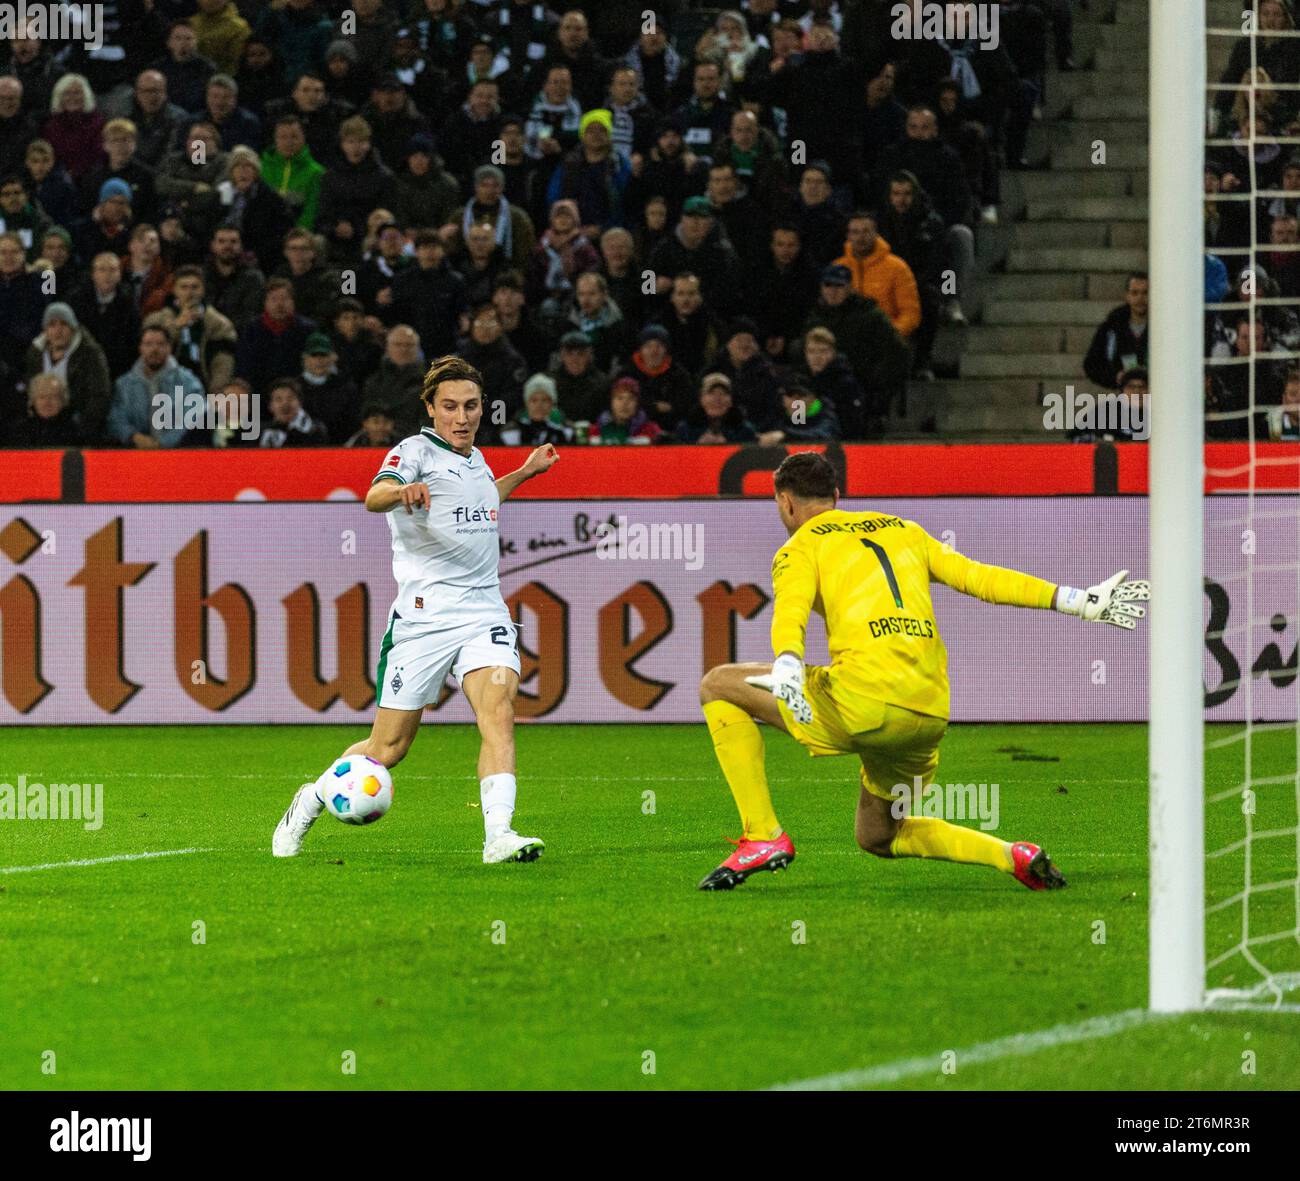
(403, 463)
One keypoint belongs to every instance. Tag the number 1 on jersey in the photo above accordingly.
(888, 569)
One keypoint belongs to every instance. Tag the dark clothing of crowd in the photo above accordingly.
(497, 114)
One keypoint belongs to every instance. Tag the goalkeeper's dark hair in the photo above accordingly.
(448, 368)
(807, 476)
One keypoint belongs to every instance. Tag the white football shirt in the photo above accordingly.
(445, 558)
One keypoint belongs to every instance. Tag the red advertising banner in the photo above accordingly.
(587, 473)
(637, 473)
(32, 475)
(1229, 467)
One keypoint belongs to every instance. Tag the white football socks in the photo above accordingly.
(313, 803)
(498, 795)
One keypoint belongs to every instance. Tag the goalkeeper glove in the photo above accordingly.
(785, 683)
(1114, 601)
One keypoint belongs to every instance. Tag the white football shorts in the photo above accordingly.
(416, 656)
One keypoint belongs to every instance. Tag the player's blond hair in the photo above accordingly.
(448, 368)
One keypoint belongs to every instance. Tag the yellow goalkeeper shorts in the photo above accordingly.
(896, 745)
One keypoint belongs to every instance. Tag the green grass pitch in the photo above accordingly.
(386, 941)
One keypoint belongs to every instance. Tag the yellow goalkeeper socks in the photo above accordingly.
(919, 836)
(739, 747)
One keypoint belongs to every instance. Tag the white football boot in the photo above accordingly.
(294, 825)
(510, 846)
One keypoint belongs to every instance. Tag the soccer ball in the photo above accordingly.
(359, 790)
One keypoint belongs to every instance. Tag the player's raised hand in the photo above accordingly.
(414, 496)
(785, 683)
(1115, 601)
(541, 460)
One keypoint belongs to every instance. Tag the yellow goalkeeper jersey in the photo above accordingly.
(868, 575)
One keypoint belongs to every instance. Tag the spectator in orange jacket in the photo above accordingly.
(880, 275)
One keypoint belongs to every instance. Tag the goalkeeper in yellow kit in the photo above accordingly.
(884, 697)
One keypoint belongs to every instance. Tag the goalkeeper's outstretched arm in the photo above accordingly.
(1115, 601)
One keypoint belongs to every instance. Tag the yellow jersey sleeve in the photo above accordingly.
(794, 589)
(993, 584)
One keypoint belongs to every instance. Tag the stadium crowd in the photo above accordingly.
(709, 226)
(1252, 199)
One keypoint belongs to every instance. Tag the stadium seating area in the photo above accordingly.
(718, 225)
(1252, 195)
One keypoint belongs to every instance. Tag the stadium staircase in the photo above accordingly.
(1069, 232)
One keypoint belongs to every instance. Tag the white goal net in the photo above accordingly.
(1252, 531)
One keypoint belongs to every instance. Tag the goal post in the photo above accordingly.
(1176, 754)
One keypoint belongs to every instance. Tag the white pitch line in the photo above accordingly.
(100, 860)
(1016, 1045)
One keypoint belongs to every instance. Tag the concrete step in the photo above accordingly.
(1078, 339)
(1076, 183)
(1116, 129)
(1052, 285)
(1103, 209)
(1057, 104)
(954, 421)
(1076, 259)
(999, 338)
(1044, 235)
(1130, 84)
(1079, 153)
(1111, 106)
(1129, 235)
(1111, 36)
(1008, 364)
(1072, 339)
(1018, 391)
(1062, 312)
(1136, 14)
(1058, 285)
(1066, 235)
(1074, 84)
(1109, 286)
(1121, 59)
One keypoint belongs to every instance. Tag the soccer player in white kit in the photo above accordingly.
(448, 617)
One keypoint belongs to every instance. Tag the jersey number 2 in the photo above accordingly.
(887, 567)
